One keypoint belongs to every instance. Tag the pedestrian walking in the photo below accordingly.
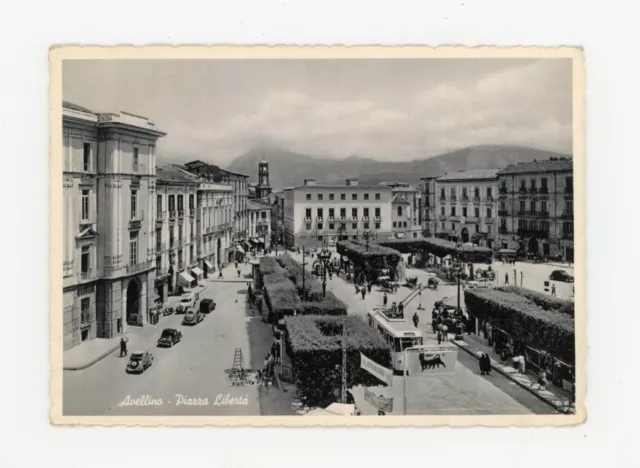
(439, 337)
(238, 272)
(542, 380)
(445, 335)
(369, 287)
(384, 299)
(401, 309)
(482, 364)
(220, 274)
(553, 289)
(123, 347)
(236, 263)
(416, 319)
(364, 292)
(434, 326)
(506, 278)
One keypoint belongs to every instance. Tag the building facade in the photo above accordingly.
(536, 208)
(214, 224)
(405, 211)
(276, 200)
(428, 215)
(109, 185)
(260, 222)
(314, 213)
(263, 188)
(466, 206)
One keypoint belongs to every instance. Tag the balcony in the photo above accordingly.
(503, 230)
(136, 220)
(332, 218)
(503, 213)
(307, 219)
(354, 218)
(138, 267)
(522, 190)
(476, 199)
(161, 247)
(567, 215)
(543, 190)
(343, 218)
(85, 275)
(85, 318)
(454, 198)
(533, 189)
(180, 213)
(541, 233)
(378, 218)
(567, 235)
(442, 217)
(502, 190)
(192, 212)
(320, 219)
(365, 218)
(470, 219)
(139, 169)
(489, 199)
(465, 198)
(172, 214)
(161, 216)
(443, 198)
(488, 220)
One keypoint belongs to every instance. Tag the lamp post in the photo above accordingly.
(368, 236)
(304, 291)
(323, 260)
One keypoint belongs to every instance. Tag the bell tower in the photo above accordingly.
(263, 189)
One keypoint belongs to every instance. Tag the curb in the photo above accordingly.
(92, 362)
(232, 281)
(507, 375)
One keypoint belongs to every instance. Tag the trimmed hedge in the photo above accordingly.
(545, 301)
(528, 323)
(441, 248)
(314, 344)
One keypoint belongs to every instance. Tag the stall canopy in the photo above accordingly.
(209, 265)
(197, 272)
(239, 248)
(185, 279)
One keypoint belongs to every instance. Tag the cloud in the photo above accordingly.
(528, 105)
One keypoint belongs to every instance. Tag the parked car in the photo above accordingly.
(207, 305)
(187, 301)
(139, 362)
(561, 275)
(169, 337)
(192, 317)
(480, 283)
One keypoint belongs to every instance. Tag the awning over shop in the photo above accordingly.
(209, 265)
(185, 279)
(239, 248)
(253, 241)
(197, 272)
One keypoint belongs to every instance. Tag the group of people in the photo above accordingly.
(485, 364)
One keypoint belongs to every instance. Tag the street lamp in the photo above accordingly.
(324, 256)
(368, 236)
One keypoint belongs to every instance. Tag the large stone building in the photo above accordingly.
(536, 208)
(314, 212)
(276, 199)
(240, 191)
(109, 185)
(466, 206)
(260, 223)
(428, 216)
(405, 211)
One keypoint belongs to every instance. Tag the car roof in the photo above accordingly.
(137, 352)
(168, 330)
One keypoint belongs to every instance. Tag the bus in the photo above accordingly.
(399, 336)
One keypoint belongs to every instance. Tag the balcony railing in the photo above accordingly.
(161, 216)
(442, 217)
(172, 214)
(488, 220)
(85, 275)
(522, 190)
(533, 233)
(443, 197)
(139, 169)
(567, 235)
(489, 198)
(543, 190)
(138, 267)
(465, 198)
(533, 189)
(470, 219)
(378, 218)
(454, 198)
(85, 318)
(332, 218)
(567, 215)
(476, 199)
(503, 230)
(180, 213)
(160, 247)
(503, 213)
(502, 190)
(192, 212)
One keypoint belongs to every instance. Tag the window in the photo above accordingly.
(319, 227)
(263, 214)
(133, 247)
(366, 196)
(399, 211)
(523, 184)
(442, 210)
(464, 211)
(377, 212)
(404, 224)
(320, 238)
(365, 212)
(377, 196)
(85, 313)
(464, 192)
(453, 211)
(136, 157)
(489, 192)
(343, 196)
(503, 223)
(159, 262)
(134, 203)
(503, 206)
(308, 226)
(85, 260)
(180, 203)
(159, 203)
(191, 204)
(85, 204)
(86, 157)
(331, 212)
(394, 224)
(377, 225)
(366, 225)
(331, 226)
(503, 186)
(442, 193)
(489, 213)
(453, 192)
(569, 184)
(320, 212)
(319, 197)
(354, 212)
(476, 192)
(453, 226)
(354, 225)
(522, 209)
(354, 196)
(331, 196)
(569, 207)
(307, 213)
(476, 212)
(489, 229)
(543, 206)
(308, 196)
(477, 228)
(172, 203)
(343, 212)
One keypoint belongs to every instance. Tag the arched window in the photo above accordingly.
(399, 211)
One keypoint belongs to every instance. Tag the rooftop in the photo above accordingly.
(338, 186)
(258, 205)
(477, 174)
(399, 199)
(548, 165)
(172, 173)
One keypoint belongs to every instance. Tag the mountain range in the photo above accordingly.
(287, 168)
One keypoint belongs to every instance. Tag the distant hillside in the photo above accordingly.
(287, 168)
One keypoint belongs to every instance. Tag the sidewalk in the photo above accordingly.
(230, 274)
(554, 396)
(88, 353)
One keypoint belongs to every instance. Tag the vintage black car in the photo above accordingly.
(169, 337)
(207, 305)
(139, 362)
(561, 275)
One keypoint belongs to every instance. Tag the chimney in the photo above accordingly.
(352, 181)
(309, 182)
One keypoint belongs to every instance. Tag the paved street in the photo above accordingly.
(193, 368)
(464, 391)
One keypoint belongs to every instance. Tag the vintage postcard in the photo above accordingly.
(303, 236)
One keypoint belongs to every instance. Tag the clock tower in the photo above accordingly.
(263, 189)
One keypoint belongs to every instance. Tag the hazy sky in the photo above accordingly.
(385, 109)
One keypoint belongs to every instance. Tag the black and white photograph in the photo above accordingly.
(323, 239)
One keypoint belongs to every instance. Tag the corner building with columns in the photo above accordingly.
(109, 189)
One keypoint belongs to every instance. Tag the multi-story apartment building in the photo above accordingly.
(276, 200)
(109, 184)
(466, 206)
(428, 216)
(314, 213)
(536, 208)
(260, 222)
(404, 211)
(240, 194)
(214, 217)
